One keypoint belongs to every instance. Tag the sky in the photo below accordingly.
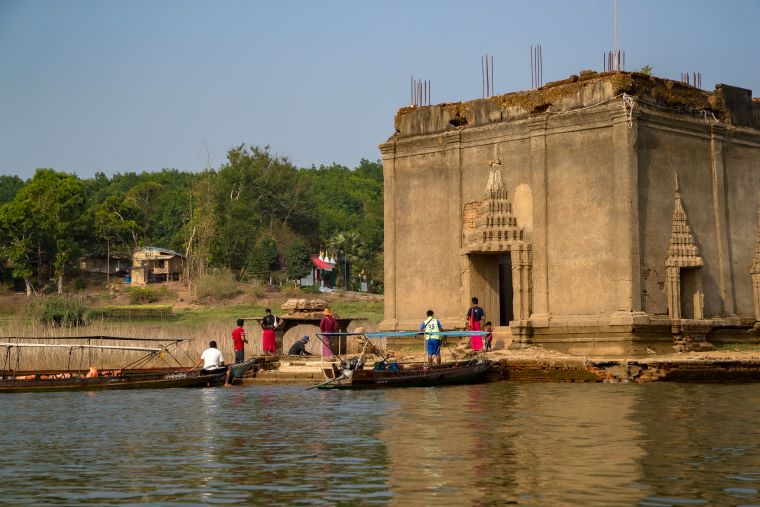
(113, 86)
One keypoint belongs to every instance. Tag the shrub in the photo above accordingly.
(218, 284)
(310, 289)
(140, 294)
(257, 289)
(130, 312)
(289, 291)
(58, 310)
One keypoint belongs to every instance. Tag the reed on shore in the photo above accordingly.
(196, 339)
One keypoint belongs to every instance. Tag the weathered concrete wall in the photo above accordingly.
(581, 249)
(590, 175)
(742, 173)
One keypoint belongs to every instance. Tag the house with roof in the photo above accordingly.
(322, 273)
(151, 264)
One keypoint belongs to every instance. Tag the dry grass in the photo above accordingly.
(196, 335)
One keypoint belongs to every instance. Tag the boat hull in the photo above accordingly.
(131, 380)
(451, 374)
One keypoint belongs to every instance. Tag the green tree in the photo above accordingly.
(646, 69)
(348, 249)
(114, 225)
(58, 203)
(265, 258)
(45, 221)
(200, 228)
(18, 240)
(297, 261)
(256, 193)
(9, 185)
(143, 197)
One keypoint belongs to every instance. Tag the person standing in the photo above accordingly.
(431, 326)
(327, 325)
(268, 325)
(489, 337)
(474, 315)
(238, 341)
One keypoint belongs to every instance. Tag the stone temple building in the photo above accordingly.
(603, 214)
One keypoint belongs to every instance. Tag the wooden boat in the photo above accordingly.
(129, 377)
(352, 374)
(416, 375)
(128, 380)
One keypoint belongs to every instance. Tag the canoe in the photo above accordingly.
(410, 375)
(128, 380)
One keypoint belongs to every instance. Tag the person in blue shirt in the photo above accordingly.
(430, 327)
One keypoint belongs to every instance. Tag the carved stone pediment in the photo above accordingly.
(490, 225)
(682, 251)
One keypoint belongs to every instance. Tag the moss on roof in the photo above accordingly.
(663, 91)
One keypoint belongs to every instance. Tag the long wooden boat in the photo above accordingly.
(411, 375)
(128, 377)
(352, 374)
(127, 380)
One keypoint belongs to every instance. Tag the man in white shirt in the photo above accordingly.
(213, 362)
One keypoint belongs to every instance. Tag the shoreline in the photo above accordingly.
(539, 365)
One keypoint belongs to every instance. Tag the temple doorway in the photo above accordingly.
(506, 294)
(491, 283)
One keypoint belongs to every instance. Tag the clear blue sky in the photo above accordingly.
(91, 85)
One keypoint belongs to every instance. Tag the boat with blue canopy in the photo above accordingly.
(354, 373)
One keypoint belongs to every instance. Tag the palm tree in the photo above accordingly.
(347, 248)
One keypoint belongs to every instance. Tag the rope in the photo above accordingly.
(562, 113)
(629, 103)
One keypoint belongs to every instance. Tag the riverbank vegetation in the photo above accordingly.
(256, 219)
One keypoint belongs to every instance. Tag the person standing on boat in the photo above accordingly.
(213, 362)
(327, 325)
(238, 341)
(432, 341)
(268, 325)
(474, 315)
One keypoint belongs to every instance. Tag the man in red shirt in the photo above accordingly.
(238, 341)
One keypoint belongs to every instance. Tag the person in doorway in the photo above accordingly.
(299, 348)
(238, 341)
(327, 325)
(213, 362)
(474, 315)
(489, 337)
(431, 327)
(268, 325)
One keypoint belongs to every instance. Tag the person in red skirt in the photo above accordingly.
(474, 315)
(268, 325)
(327, 325)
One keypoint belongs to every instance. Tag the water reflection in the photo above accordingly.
(530, 444)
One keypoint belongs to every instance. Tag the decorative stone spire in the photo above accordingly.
(683, 251)
(495, 225)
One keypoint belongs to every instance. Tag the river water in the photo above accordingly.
(493, 444)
